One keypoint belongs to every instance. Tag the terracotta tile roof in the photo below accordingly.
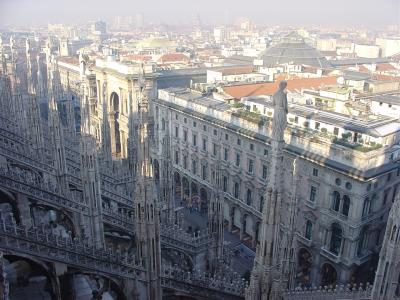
(236, 70)
(258, 89)
(384, 67)
(173, 57)
(363, 69)
(309, 69)
(381, 77)
(328, 53)
(72, 60)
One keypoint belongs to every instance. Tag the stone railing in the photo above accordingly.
(20, 155)
(202, 284)
(174, 236)
(43, 244)
(16, 182)
(357, 292)
(109, 191)
(120, 220)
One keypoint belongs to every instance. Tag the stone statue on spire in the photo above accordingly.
(271, 270)
(279, 100)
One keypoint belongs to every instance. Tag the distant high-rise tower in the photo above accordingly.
(139, 21)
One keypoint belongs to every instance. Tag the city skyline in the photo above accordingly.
(339, 13)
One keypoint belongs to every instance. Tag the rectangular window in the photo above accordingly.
(308, 232)
(194, 124)
(214, 149)
(176, 131)
(313, 193)
(389, 176)
(194, 140)
(251, 147)
(236, 190)
(185, 120)
(237, 159)
(264, 172)
(204, 144)
(226, 136)
(176, 157)
(250, 166)
(225, 184)
(204, 127)
(226, 154)
(315, 172)
(296, 119)
(185, 162)
(265, 152)
(194, 166)
(185, 135)
(203, 172)
(176, 116)
(215, 132)
(239, 142)
(335, 131)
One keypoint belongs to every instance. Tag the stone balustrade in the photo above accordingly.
(17, 182)
(174, 236)
(358, 292)
(42, 243)
(203, 284)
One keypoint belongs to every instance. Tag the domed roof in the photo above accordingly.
(293, 49)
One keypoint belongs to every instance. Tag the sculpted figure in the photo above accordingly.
(279, 100)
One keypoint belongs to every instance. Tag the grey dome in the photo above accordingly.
(293, 49)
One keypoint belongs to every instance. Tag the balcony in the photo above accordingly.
(304, 240)
(365, 256)
(329, 255)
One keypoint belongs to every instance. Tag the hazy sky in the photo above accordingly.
(269, 12)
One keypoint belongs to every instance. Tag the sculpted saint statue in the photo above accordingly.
(279, 101)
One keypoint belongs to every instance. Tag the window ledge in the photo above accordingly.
(331, 256)
(310, 204)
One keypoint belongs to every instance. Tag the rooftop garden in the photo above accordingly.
(251, 116)
(358, 147)
(337, 89)
(320, 136)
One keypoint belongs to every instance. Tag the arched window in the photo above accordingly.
(366, 207)
(363, 242)
(261, 203)
(248, 197)
(225, 184)
(346, 205)
(163, 124)
(236, 190)
(308, 233)
(336, 239)
(336, 201)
